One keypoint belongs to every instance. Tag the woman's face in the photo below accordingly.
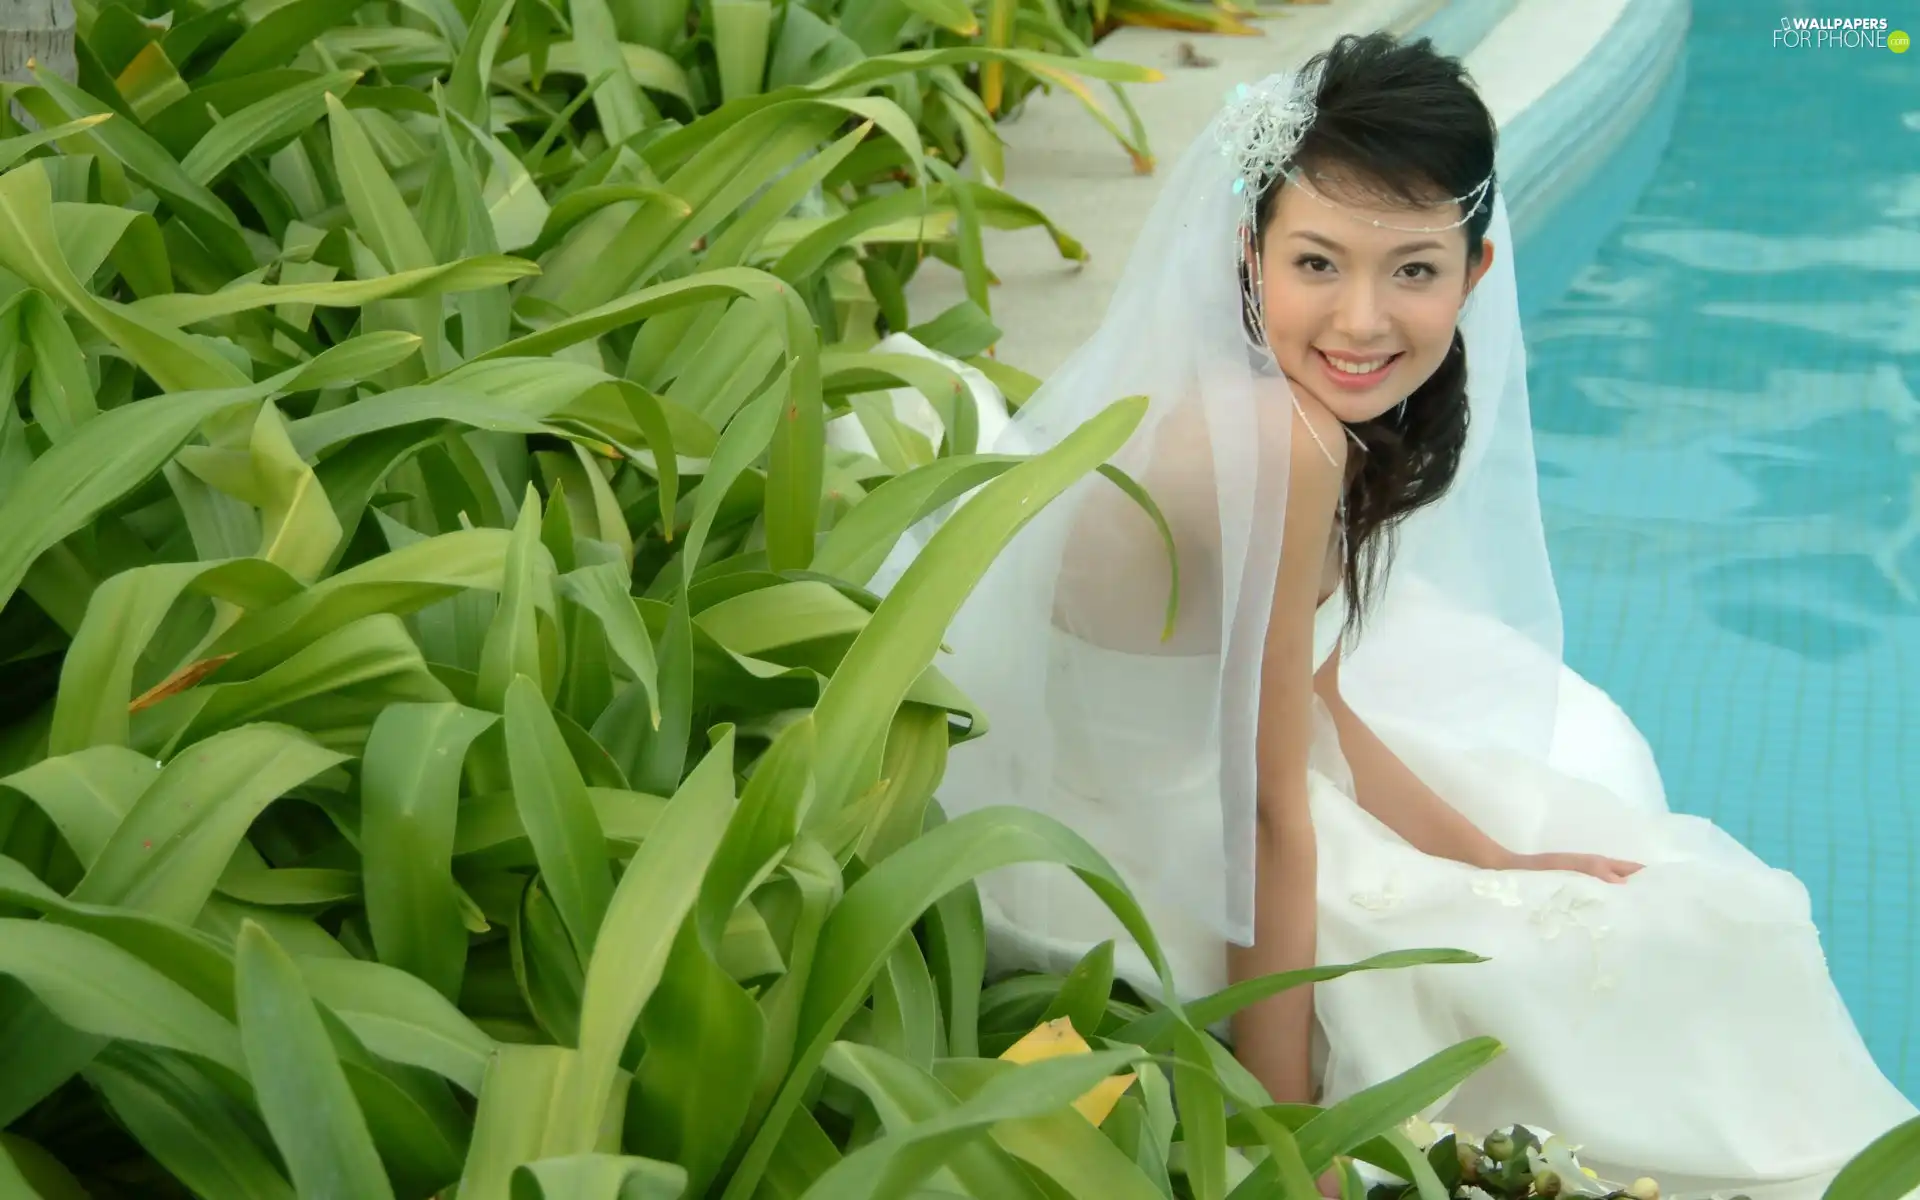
(1359, 316)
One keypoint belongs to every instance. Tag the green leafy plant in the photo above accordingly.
(451, 747)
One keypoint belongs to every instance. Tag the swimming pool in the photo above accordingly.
(1727, 407)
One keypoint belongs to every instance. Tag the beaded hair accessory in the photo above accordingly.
(1260, 131)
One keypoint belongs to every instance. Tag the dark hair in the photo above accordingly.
(1404, 121)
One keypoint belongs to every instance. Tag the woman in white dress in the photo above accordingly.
(1328, 751)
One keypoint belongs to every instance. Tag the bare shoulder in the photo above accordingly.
(1314, 456)
(1317, 448)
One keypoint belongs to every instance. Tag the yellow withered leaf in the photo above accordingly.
(1058, 1037)
(1051, 1040)
(1101, 1098)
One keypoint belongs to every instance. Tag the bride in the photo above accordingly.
(1350, 731)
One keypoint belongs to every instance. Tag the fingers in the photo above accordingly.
(1608, 870)
(1616, 870)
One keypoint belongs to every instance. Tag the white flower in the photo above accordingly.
(1556, 1155)
(1421, 1133)
(1506, 891)
(1379, 901)
(1566, 909)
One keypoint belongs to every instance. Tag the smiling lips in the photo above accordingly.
(1354, 373)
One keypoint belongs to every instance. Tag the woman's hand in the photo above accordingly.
(1611, 870)
(1330, 1182)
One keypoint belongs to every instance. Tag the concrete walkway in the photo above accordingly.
(1060, 160)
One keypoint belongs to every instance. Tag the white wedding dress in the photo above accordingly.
(1681, 1025)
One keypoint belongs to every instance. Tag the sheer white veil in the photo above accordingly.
(1141, 736)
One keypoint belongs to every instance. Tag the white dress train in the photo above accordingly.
(1681, 1025)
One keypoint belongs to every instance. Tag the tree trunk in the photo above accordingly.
(38, 32)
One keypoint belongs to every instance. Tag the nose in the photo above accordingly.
(1359, 317)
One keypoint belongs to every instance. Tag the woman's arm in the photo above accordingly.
(1273, 1038)
(1388, 788)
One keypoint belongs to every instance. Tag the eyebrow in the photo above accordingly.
(1329, 243)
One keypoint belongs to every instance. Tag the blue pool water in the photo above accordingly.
(1727, 400)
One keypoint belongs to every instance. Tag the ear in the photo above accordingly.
(1479, 269)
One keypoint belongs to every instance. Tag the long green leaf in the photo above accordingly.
(473, 69)
(722, 284)
(491, 833)
(695, 1085)
(167, 854)
(467, 274)
(400, 1018)
(904, 1094)
(409, 802)
(14, 148)
(200, 1134)
(512, 648)
(400, 582)
(646, 65)
(741, 30)
(123, 447)
(209, 217)
(523, 412)
(599, 1177)
(85, 793)
(1203, 1117)
(859, 76)
(60, 394)
(1888, 1168)
(298, 1080)
(334, 685)
(1062, 1145)
(551, 798)
(858, 544)
(273, 38)
(521, 1117)
(381, 216)
(602, 591)
(380, 213)
(124, 613)
(891, 1165)
(883, 905)
(901, 639)
(277, 116)
(298, 531)
(97, 988)
(705, 1035)
(28, 1172)
(191, 958)
(1153, 1030)
(622, 109)
(656, 892)
(1385, 1106)
(42, 1052)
